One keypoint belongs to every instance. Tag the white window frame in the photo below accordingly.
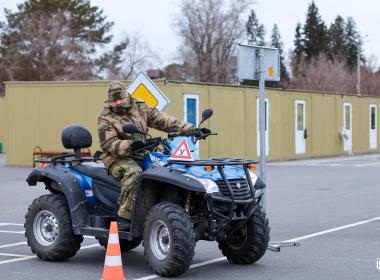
(185, 98)
(296, 102)
(372, 105)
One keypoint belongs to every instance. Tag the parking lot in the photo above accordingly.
(332, 206)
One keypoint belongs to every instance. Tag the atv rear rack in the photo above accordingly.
(67, 158)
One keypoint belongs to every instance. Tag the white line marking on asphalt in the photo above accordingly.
(333, 230)
(290, 240)
(13, 231)
(32, 257)
(207, 262)
(191, 267)
(11, 224)
(12, 244)
(88, 237)
(13, 255)
(17, 260)
(367, 164)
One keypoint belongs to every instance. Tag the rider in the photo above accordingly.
(119, 157)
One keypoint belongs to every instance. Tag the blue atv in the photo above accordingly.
(178, 203)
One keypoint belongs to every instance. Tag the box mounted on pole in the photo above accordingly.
(248, 63)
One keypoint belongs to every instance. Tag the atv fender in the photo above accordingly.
(60, 180)
(172, 177)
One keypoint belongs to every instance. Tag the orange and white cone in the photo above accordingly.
(113, 267)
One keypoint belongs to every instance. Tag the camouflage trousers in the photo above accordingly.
(128, 172)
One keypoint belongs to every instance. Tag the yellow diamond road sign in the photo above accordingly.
(142, 87)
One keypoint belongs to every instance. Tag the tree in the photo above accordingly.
(353, 43)
(53, 40)
(276, 42)
(298, 42)
(337, 42)
(322, 74)
(315, 34)
(127, 58)
(210, 30)
(255, 31)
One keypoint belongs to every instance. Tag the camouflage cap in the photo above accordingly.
(117, 92)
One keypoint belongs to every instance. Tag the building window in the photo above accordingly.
(373, 117)
(347, 116)
(191, 108)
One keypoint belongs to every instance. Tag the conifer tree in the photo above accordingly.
(298, 42)
(353, 43)
(255, 30)
(52, 40)
(337, 42)
(315, 34)
(276, 42)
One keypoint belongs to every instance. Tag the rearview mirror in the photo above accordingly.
(130, 128)
(206, 115)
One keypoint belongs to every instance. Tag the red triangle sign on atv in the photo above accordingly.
(182, 152)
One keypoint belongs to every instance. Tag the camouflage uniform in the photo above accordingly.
(120, 160)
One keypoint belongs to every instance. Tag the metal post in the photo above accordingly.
(262, 120)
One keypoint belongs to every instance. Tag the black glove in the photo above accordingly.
(201, 132)
(205, 130)
(137, 145)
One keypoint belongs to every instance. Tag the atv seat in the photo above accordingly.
(97, 173)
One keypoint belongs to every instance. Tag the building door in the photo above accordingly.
(300, 126)
(373, 126)
(266, 127)
(347, 127)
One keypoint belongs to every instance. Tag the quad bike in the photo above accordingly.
(178, 203)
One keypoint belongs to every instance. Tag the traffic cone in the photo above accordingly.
(113, 267)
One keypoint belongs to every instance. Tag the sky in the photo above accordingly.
(153, 20)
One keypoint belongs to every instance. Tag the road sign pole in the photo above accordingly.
(262, 121)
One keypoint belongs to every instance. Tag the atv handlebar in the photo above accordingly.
(153, 142)
(197, 135)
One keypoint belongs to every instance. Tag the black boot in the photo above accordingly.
(123, 224)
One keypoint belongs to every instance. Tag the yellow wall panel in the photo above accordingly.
(34, 114)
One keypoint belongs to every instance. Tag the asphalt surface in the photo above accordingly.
(330, 205)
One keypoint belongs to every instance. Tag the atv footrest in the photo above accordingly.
(101, 232)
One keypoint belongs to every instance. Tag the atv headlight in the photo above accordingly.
(209, 185)
(253, 177)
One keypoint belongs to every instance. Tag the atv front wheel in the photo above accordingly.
(168, 239)
(125, 245)
(248, 243)
(48, 229)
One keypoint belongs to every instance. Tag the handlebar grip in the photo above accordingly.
(173, 134)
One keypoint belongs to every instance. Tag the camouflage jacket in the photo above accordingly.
(116, 144)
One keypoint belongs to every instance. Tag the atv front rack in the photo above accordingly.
(215, 162)
(231, 200)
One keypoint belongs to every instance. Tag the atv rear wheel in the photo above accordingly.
(168, 239)
(125, 245)
(48, 229)
(248, 243)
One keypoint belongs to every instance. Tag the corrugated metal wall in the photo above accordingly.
(34, 113)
